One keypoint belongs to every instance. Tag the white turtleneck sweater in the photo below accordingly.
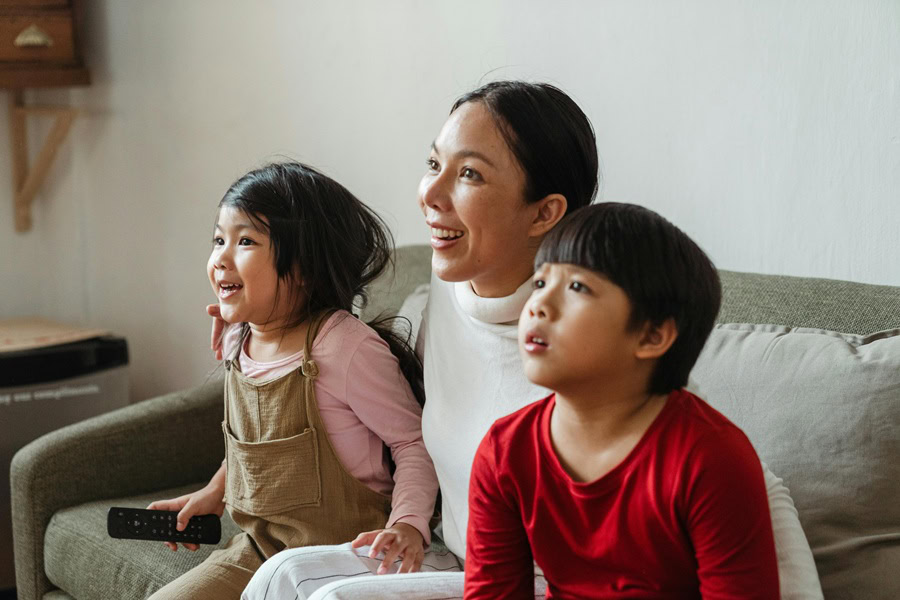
(473, 376)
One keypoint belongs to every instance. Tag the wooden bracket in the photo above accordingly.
(26, 182)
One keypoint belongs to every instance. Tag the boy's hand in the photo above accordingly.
(217, 327)
(208, 501)
(401, 540)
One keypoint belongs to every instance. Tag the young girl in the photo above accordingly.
(313, 397)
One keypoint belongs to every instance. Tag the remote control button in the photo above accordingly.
(136, 525)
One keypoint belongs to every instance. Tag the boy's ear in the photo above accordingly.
(656, 339)
(550, 209)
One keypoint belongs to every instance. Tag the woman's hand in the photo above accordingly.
(218, 326)
(208, 501)
(401, 540)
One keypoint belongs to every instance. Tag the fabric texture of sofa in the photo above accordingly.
(809, 368)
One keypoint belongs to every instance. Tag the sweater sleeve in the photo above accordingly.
(383, 401)
(499, 562)
(797, 573)
(727, 514)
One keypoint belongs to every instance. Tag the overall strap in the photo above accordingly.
(309, 368)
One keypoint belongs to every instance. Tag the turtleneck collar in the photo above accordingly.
(504, 310)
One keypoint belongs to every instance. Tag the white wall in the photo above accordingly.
(768, 130)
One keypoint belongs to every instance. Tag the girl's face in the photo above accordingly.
(473, 200)
(242, 273)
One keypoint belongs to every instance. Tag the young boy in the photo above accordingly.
(620, 484)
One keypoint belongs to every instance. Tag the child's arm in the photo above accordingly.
(499, 562)
(208, 501)
(728, 520)
(383, 401)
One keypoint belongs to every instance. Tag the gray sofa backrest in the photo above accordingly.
(841, 306)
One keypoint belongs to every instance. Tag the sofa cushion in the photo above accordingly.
(823, 411)
(82, 560)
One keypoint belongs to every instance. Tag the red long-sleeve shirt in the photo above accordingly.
(685, 515)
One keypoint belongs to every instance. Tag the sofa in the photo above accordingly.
(809, 368)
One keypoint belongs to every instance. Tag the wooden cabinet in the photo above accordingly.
(39, 44)
(39, 48)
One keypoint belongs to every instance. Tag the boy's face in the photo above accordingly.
(574, 329)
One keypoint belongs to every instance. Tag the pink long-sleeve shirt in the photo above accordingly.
(365, 403)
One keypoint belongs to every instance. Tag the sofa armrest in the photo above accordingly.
(161, 443)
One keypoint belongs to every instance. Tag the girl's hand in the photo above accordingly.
(217, 327)
(208, 501)
(401, 540)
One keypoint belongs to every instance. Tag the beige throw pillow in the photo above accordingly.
(823, 411)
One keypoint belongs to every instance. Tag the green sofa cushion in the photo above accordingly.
(83, 561)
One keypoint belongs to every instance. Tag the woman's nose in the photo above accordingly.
(433, 192)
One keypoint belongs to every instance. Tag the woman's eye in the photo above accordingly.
(469, 173)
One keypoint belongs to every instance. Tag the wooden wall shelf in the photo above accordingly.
(39, 48)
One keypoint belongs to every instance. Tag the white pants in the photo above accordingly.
(345, 573)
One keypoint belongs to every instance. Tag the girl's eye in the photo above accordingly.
(217, 241)
(432, 164)
(538, 283)
(578, 287)
(469, 173)
(246, 242)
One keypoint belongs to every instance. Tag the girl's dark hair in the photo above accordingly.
(550, 136)
(328, 246)
(662, 271)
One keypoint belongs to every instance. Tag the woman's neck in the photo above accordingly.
(506, 279)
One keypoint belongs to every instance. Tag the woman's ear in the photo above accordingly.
(550, 209)
(656, 339)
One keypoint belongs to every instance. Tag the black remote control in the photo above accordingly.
(159, 525)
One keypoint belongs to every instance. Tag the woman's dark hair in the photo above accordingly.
(662, 271)
(328, 246)
(550, 136)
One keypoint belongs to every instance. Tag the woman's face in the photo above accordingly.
(473, 200)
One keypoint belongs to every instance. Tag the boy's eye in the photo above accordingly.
(469, 173)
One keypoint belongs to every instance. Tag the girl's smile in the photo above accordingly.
(227, 289)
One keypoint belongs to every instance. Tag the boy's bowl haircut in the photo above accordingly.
(662, 271)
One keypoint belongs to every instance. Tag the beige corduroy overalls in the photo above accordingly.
(285, 486)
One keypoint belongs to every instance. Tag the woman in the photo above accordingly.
(510, 161)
